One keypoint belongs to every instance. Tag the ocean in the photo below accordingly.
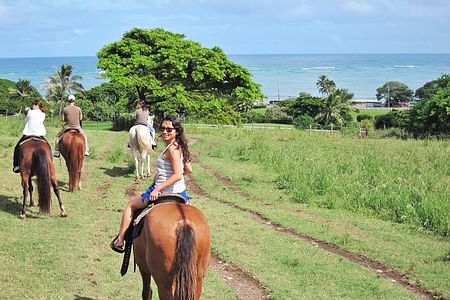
(280, 75)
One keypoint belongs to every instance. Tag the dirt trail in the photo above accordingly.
(391, 274)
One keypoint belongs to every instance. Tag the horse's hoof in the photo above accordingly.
(63, 214)
(22, 216)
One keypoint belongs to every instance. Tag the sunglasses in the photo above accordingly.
(168, 129)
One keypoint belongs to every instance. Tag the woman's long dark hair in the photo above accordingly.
(180, 137)
(41, 105)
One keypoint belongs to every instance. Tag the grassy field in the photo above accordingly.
(344, 191)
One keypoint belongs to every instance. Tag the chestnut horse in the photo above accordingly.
(36, 160)
(174, 249)
(72, 149)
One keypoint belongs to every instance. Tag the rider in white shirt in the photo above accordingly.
(34, 126)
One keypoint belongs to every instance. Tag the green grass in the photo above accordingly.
(48, 257)
(402, 181)
(309, 183)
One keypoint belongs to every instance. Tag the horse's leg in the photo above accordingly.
(198, 288)
(142, 165)
(136, 164)
(148, 165)
(30, 190)
(165, 292)
(58, 196)
(25, 193)
(146, 289)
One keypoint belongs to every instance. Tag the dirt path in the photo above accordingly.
(379, 268)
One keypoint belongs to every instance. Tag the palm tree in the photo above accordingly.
(337, 107)
(325, 85)
(23, 91)
(63, 83)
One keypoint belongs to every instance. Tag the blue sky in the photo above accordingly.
(35, 28)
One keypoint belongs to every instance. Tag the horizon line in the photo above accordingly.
(264, 54)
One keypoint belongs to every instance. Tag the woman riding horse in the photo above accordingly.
(34, 127)
(32, 157)
(173, 162)
(174, 245)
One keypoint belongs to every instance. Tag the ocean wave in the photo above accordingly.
(317, 68)
(405, 66)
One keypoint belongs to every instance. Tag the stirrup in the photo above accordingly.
(56, 154)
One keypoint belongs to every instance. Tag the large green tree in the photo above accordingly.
(306, 104)
(430, 88)
(431, 116)
(61, 84)
(176, 75)
(394, 93)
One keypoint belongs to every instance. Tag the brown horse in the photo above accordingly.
(72, 149)
(174, 249)
(36, 160)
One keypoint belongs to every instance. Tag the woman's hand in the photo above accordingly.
(155, 194)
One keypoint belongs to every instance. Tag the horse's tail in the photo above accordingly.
(185, 263)
(76, 156)
(143, 139)
(39, 165)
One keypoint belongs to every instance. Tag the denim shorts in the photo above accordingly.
(145, 196)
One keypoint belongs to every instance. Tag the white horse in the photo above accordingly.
(141, 142)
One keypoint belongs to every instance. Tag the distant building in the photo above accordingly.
(366, 103)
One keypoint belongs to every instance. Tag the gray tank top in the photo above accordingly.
(164, 171)
(141, 117)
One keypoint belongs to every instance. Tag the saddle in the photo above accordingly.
(70, 129)
(33, 138)
(136, 226)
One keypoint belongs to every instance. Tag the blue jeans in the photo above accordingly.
(145, 196)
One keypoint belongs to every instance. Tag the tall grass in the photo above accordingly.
(402, 181)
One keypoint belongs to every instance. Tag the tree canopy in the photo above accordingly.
(431, 87)
(431, 115)
(394, 93)
(176, 75)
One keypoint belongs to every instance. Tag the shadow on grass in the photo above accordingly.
(117, 171)
(10, 205)
(13, 205)
(78, 297)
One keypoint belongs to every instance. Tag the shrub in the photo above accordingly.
(303, 121)
(362, 117)
(123, 121)
(384, 121)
